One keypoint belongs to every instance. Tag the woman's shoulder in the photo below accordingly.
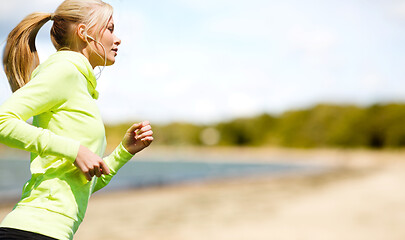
(64, 70)
(67, 64)
(56, 64)
(65, 61)
(59, 71)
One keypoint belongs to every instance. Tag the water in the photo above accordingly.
(13, 175)
(137, 174)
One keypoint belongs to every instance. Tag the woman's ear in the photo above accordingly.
(81, 32)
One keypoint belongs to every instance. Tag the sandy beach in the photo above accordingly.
(363, 197)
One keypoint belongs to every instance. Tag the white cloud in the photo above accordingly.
(242, 104)
(371, 81)
(313, 41)
(17, 9)
(245, 25)
(397, 9)
(207, 5)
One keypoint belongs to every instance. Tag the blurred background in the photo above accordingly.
(206, 62)
(291, 99)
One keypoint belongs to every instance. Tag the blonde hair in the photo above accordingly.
(20, 55)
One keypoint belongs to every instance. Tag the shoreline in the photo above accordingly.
(362, 198)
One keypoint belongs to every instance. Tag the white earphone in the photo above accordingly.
(105, 55)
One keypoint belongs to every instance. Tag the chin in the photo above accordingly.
(110, 62)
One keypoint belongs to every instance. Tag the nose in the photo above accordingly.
(117, 41)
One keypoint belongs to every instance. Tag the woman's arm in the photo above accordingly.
(90, 164)
(44, 92)
(49, 89)
(137, 137)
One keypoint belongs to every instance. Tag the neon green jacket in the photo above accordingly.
(61, 97)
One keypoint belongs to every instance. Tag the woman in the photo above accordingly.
(67, 136)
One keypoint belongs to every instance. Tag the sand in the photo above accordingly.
(363, 197)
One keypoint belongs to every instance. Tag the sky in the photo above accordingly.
(205, 61)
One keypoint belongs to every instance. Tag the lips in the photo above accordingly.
(115, 50)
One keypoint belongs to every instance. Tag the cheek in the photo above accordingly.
(109, 41)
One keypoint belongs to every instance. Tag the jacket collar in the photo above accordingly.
(84, 66)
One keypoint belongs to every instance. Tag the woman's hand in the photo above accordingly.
(138, 137)
(90, 163)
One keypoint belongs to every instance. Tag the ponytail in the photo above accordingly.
(20, 54)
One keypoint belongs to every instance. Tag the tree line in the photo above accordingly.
(324, 125)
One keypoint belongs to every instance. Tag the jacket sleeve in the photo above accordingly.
(118, 158)
(46, 90)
